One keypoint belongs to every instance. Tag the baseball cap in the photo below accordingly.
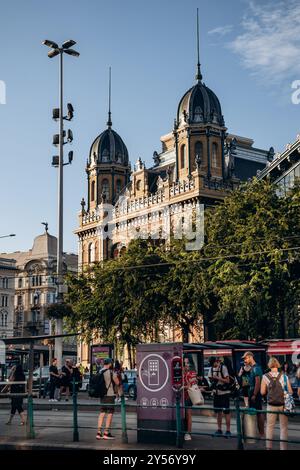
(108, 360)
(248, 353)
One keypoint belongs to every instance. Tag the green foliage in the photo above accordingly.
(244, 283)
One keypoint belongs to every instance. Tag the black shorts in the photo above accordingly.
(257, 403)
(222, 401)
(107, 400)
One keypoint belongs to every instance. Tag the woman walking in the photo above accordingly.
(17, 375)
(273, 384)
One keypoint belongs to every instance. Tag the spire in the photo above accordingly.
(198, 74)
(109, 123)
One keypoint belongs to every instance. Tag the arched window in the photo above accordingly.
(182, 156)
(93, 191)
(91, 253)
(5, 319)
(138, 185)
(118, 187)
(214, 157)
(105, 189)
(198, 154)
(20, 283)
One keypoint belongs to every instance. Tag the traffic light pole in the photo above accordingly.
(59, 321)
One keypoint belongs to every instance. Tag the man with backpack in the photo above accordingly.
(219, 378)
(106, 382)
(273, 385)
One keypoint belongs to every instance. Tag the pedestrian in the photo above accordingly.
(255, 397)
(298, 380)
(219, 378)
(273, 385)
(76, 374)
(111, 381)
(244, 376)
(119, 388)
(17, 375)
(66, 377)
(189, 379)
(54, 380)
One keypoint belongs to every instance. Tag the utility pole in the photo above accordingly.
(58, 162)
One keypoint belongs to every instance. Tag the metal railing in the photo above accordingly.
(240, 436)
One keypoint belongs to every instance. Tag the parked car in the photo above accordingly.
(85, 382)
(129, 383)
(43, 375)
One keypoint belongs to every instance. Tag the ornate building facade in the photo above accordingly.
(8, 272)
(35, 284)
(284, 170)
(198, 164)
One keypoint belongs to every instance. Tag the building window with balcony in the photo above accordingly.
(4, 301)
(20, 283)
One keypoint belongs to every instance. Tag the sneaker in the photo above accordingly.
(99, 435)
(55, 400)
(218, 433)
(187, 437)
(227, 434)
(50, 400)
(108, 436)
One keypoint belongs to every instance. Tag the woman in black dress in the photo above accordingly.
(17, 375)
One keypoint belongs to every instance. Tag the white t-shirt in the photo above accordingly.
(216, 372)
(266, 379)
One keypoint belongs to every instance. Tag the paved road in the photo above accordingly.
(54, 427)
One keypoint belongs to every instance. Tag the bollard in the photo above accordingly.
(30, 423)
(123, 416)
(75, 413)
(178, 421)
(240, 445)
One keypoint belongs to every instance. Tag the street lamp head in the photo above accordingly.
(69, 43)
(51, 44)
(53, 53)
(72, 52)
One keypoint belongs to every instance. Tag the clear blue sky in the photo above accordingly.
(249, 56)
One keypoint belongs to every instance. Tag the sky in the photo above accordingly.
(249, 55)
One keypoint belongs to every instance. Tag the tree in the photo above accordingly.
(254, 270)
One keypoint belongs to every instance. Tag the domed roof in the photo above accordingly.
(200, 105)
(109, 147)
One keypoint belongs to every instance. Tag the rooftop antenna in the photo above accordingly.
(109, 123)
(198, 74)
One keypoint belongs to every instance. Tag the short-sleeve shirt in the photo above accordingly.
(55, 371)
(217, 372)
(256, 371)
(274, 374)
(109, 382)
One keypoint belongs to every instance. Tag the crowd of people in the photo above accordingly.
(255, 387)
(222, 384)
(61, 381)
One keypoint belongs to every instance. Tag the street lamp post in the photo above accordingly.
(59, 162)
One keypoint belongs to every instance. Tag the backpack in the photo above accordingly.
(97, 385)
(275, 391)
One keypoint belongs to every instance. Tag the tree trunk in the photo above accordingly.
(185, 334)
(129, 355)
